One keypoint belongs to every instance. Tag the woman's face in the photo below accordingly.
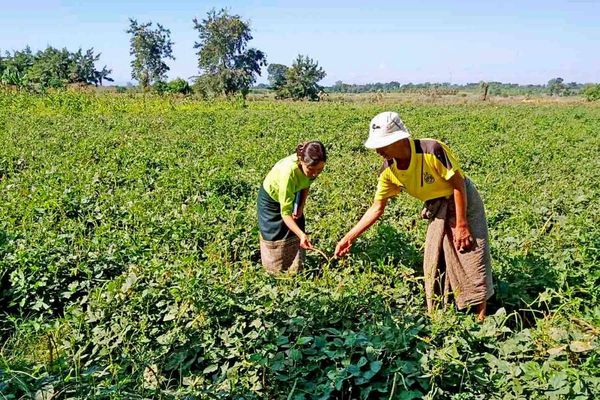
(312, 171)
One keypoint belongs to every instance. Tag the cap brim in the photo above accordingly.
(382, 142)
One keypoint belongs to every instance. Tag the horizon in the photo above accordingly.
(438, 42)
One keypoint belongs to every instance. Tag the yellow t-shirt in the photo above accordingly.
(283, 182)
(432, 164)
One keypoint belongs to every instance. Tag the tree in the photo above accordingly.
(82, 69)
(301, 80)
(16, 66)
(277, 75)
(102, 75)
(149, 47)
(226, 65)
(52, 68)
(556, 86)
(592, 92)
(484, 88)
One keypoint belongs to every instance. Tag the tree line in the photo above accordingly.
(227, 66)
(51, 68)
(554, 87)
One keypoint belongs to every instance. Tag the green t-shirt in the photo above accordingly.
(283, 182)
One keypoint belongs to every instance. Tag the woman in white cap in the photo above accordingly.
(457, 258)
(281, 200)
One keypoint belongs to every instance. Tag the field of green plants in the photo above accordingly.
(130, 269)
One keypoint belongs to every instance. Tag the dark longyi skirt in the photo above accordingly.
(279, 247)
(270, 223)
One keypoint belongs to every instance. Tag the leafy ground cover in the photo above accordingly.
(129, 254)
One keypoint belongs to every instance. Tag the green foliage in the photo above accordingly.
(277, 75)
(129, 261)
(149, 47)
(226, 65)
(301, 80)
(556, 87)
(592, 92)
(179, 85)
(160, 87)
(51, 68)
(176, 86)
(495, 88)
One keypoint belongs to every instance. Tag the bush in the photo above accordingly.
(592, 92)
(179, 86)
(160, 87)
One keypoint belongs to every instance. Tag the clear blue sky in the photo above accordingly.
(354, 41)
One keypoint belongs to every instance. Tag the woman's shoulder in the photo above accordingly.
(287, 166)
(289, 161)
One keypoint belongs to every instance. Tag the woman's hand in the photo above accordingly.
(463, 241)
(343, 247)
(305, 242)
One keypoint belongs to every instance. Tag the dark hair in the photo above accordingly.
(311, 153)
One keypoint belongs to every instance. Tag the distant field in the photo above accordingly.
(130, 268)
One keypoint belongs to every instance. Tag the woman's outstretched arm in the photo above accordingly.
(368, 219)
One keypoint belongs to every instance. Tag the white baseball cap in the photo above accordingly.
(386, 128)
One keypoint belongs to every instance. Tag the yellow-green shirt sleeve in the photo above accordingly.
(385, 187)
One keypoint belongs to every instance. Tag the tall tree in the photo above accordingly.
(277, 75)
(226, 65)
(301, 79)
(16, 67)
(556, 86)
(149, 48)
(485, 87)
(102, 75)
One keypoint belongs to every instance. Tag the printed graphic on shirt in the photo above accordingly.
(428, 178)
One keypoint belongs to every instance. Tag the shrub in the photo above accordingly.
(592, 92)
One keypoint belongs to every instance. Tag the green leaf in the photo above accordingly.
(368, 375)
(282, 377)
(557, 350)
(295, 355)
(580, 346)
(171, 313)
(304, 340)
(281, 340)
(353, 369)
(410, 395)
(361, 362)
(210, 369)
(375, 366)
(277, 365)
(558, 380)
